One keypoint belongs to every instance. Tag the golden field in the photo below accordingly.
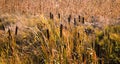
(42, 32)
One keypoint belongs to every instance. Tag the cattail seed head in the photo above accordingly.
(61, 27)
(97, 48)
(69, 19)
(48, 35)
(83, 57)
(75, 22)
(0, 20)
(9, 32)
(79, 18)
(83, 20)
(51, 15)
(16, 30)
(78, 34)
(59, 15)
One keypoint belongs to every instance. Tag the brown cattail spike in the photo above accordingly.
(48, 35)
(51, 15)
(83, 57)
(59, 15)
(75, 22)
(0, 20)
(78, 34)
(97, 48)
(69, 19)
(61, 27)
(9, 32)
(83, 20)
(79, 18)
(16, 30)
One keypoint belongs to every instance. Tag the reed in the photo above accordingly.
(16, 30)
(83, 20)
(79, 18)
(48, 35)
(61, 29)
(51, 16)
(69, 19)
(75, 23)
(59, 15)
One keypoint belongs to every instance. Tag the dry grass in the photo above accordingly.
(108, 9)
(78, 44)
(29, 36)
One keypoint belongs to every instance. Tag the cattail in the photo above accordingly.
(0, 20)
(83, 57)
(61, 27)
(83, 20)
(79, 18)
(51, 15)
(59, 15)
(78, 34)
(9, 32)
(97, 47)
(75, 22)
(16, 30)
(48, 35)
(69, 19)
